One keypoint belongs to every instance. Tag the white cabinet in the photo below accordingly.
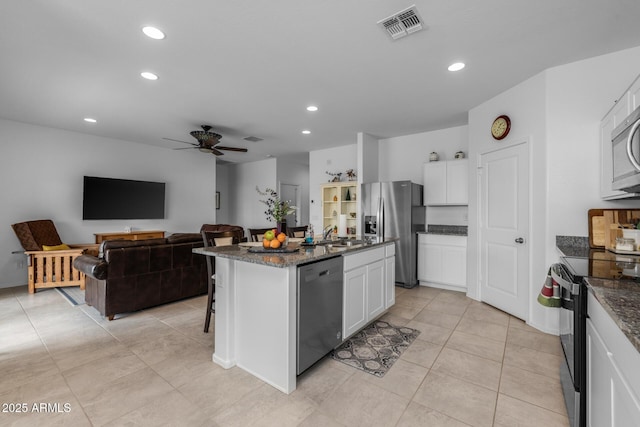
(613, 380)
(628, 102)
(366, 287)
(442, 261)
(446, 182)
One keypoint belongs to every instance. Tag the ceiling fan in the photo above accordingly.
(207, 142)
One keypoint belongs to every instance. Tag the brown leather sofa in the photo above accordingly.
(131, 275)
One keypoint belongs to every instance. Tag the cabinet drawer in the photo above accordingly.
(363, 258)
(442, 239)
(390, 250)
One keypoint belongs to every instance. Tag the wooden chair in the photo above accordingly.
(214, 238)
(297, 231)
(48, 268)
(257, 233)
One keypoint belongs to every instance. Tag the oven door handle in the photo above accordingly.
(632, 159)
(567, 303)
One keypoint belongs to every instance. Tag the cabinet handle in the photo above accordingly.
(519, 240)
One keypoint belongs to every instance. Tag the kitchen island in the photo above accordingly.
(256, 303)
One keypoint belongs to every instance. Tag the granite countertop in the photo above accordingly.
(621, 299)
(447, 230)
(304, 255)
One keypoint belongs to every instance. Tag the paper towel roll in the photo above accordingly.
(342, 226)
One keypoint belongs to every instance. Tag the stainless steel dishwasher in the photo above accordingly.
(319, 310)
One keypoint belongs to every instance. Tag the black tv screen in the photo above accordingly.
(110, 198)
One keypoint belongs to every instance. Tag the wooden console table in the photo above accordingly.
(133, 235)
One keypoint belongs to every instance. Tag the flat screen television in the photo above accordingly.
(111, 198)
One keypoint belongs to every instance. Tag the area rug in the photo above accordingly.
(72, 294)
(376, 348)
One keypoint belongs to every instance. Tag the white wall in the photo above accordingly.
(579, 95)
(245, 208)
(401, 158)
(42, 169)
(337, 159)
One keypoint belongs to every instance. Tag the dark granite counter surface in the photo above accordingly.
(619, 298)
(304, 255)
(447, 230)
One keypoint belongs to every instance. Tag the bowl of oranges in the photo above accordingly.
(274, 240)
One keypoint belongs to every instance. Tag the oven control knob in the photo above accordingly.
(520, 240)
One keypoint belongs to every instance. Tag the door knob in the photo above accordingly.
(520, 240)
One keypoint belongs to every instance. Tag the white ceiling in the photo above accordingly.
(249, 68)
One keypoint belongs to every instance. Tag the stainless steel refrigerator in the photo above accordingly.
(394, 209)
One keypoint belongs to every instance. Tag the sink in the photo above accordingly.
(349, 243)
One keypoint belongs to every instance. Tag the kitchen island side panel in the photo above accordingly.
(265, 323)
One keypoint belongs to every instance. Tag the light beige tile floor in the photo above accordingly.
(472, 365)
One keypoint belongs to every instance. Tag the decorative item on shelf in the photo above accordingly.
(459, 155)
(348, 196)
(351, 175)
(433, 157)
(335, 198)
(352, 214)
(277, 209)
(337, 176)
(334, 213)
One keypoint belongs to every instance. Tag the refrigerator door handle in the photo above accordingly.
(380, 218)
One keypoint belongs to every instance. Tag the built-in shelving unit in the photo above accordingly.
(340, 198)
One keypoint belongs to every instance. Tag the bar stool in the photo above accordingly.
(214, 238)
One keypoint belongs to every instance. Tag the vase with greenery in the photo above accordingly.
(277, 209)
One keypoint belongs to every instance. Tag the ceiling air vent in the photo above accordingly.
(402, 23)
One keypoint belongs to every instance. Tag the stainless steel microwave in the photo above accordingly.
(625, 140)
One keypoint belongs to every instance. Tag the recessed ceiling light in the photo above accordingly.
(149, 76)
(456, 66)
(153, 32)
(306, 132)
(90, 120)
(312, 108)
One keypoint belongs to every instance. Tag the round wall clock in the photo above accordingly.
(501, 127)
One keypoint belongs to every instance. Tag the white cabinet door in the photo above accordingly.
(454, 265)
(457, 182)
(376, 289)
(433, 264)
(625, 411)
(355, 303)
(598, 380)
(613, 379)
(390, 281)
(435, 183)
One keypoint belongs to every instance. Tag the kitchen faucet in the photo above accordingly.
(326, 232)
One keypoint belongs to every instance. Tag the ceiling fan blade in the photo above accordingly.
(241, 150)
(217, 152)
(177, 140)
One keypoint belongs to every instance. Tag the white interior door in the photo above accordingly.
(504, 229)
